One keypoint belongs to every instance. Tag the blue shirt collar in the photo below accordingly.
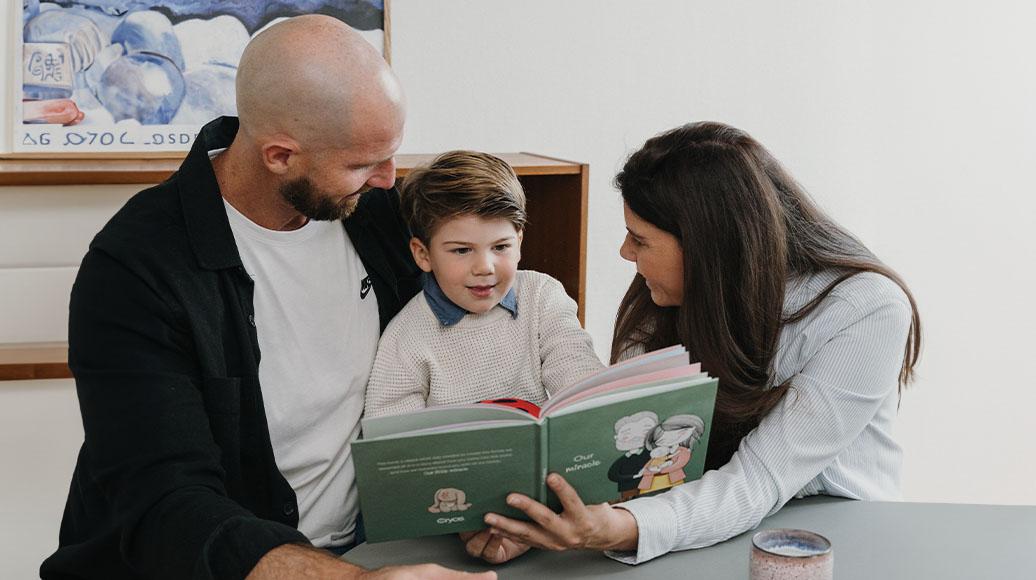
(449, 313)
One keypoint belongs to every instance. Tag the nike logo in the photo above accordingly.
(365, 287)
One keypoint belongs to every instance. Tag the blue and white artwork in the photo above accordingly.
(143, 75)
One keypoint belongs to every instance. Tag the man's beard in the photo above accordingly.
(302, 195)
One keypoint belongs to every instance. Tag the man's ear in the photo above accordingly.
(280, 154)
(421, 254)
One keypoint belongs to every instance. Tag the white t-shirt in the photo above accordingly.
(317, 321)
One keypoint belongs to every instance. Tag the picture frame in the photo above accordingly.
(138, 78)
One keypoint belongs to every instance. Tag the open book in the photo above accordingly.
(635, 428)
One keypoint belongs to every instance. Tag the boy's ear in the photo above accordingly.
(420, 252)
(521, 236)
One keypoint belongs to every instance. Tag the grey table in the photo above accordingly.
(871, 540)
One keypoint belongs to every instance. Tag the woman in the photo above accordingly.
(670, 445)
(811, 336)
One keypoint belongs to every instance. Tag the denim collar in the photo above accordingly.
(449, 313)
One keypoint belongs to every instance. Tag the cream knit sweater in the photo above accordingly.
(422, 363)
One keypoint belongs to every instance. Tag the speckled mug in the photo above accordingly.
(786, 554)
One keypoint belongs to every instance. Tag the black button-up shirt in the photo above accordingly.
(176, 477)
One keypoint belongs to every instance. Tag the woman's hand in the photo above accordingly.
(492, 548)
(578, 526)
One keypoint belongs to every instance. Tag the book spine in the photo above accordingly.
(543, 457)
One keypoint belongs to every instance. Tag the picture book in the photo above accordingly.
(636, 428)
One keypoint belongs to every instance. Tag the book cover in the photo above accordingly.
(636, 428)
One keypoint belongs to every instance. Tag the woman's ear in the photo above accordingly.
(421, 254)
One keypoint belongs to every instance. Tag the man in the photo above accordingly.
(223, 325)
(631, 433)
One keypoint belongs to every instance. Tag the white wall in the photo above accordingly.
(41, 433)
(914, 124)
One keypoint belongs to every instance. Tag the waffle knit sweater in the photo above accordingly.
(491, 355)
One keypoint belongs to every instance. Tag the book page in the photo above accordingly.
(438, 417)
(650, 362)
(628, 383)
(455, 428)
(631, 393)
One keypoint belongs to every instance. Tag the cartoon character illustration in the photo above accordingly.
(670, 444)
(631, 434)
(448, 499)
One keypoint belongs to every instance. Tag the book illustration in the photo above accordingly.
(670, 445)
(631, 433)
(449, 499)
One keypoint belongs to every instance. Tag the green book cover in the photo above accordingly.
(636, 428)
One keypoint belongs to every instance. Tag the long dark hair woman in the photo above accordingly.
(811, 335)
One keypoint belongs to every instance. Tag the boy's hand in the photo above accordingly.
(492, 548)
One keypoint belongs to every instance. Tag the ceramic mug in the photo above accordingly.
(786, 554)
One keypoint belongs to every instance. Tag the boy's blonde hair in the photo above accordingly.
(460, 183)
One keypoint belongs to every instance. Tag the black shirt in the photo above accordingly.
(176, 476)
(624, 470)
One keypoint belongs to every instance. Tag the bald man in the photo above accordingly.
(223, 325)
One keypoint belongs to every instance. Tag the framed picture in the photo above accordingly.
(132, 78)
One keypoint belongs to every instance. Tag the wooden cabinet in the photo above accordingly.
(555, 238)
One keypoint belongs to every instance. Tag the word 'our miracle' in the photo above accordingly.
(583, 462)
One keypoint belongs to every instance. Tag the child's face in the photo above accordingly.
(474, 260)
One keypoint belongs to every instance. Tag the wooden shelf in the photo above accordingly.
(147, 171)
(554, 242)
(46, 360)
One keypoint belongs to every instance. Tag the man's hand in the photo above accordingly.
(295, 561)
(578, 526)
(298, 561)
(424, 572)
(492, 548)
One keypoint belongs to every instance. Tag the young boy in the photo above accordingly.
(481, 329)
